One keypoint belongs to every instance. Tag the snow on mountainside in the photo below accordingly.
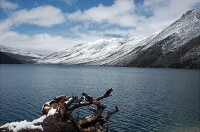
(84, 53)
(99, 52)
(181, 31)
(172, 47)
(10, 50)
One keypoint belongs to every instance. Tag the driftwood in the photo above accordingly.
(66, 105)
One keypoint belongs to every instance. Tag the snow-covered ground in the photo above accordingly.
(17, 126)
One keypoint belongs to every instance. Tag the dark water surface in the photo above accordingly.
(148, 99)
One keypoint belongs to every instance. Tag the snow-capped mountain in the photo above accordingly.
(10, 55)
(176, 46)
(99, 52)
(16, 51)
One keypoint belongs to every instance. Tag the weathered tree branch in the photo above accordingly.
(65, 106)
(106, 95)
(89, 99)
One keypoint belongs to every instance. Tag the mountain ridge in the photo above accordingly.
(157, 50)
(16, 56)
(177, 46)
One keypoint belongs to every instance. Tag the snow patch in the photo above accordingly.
(66, 102)
(39, 120)
(17, 126)
(52, 111)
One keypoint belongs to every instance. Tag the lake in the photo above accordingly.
(149, 99)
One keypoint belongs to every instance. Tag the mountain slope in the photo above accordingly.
(99, 52)
(5, 59)
(19, 55)
(176, 46)
(187, 56)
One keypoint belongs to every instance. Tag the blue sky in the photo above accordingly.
(51, 25)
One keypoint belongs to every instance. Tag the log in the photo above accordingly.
(66, 105)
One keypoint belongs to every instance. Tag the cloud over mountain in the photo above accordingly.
(83, 22)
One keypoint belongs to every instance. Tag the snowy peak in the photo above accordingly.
(180, 32)
(193, 12)
(174, 46)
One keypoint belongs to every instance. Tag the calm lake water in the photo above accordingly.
(148, 99)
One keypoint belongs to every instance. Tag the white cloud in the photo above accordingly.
(120, 13)
(45, 16)
(7, 5)
(123, 13)
(5, 25)
(163, 13)
(43, 43)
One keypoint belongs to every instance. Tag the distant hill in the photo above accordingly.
(18, 55)
(5, 59)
